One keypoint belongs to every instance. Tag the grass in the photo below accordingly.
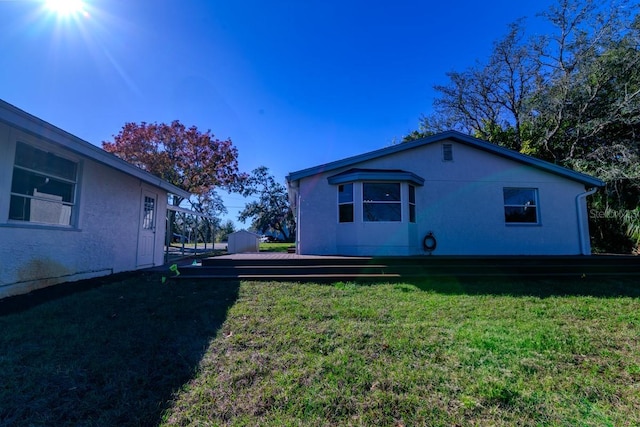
(420, 354)
(275, 247)
(441, 352)
(112, 354)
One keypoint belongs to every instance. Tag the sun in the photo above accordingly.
(65, 7)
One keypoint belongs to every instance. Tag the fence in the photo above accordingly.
(188, 233)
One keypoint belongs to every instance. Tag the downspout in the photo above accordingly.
(294, 203)
(585, 246)
(298, 224)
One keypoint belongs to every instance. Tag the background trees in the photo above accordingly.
(187, 158)
(270, 212)
(226, 228)
(571, 97)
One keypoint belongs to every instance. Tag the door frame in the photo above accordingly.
(147, 233)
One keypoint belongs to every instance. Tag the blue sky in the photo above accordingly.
(293, 83)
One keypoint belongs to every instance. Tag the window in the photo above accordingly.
(149, 209)
(345, 203)
(43, 187)
(520, 205)
(381, 201)
(412, 203)
(447, 152)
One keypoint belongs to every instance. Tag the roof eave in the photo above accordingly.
(29, 123)
(454, 136)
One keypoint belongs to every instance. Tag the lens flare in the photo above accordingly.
(66, 7)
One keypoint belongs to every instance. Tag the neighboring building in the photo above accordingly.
(243, 241)
(447, 194)
(69, 210)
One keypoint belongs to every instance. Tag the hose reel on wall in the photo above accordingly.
(429, 243)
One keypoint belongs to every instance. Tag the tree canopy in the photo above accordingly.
(192, 160)
(571, 97)
(270, 212)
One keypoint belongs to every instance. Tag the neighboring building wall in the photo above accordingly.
(243, 241)
(461, 202)
(102, 241)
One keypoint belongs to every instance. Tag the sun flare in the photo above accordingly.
(65, 7)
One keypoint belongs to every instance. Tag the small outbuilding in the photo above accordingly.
(69, 210)
(243, 241)
(447, 194)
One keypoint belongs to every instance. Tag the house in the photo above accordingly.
(447, 194)
(69, 210)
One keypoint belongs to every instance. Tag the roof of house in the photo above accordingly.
(357, 174)
(29, 123)
(455, 136)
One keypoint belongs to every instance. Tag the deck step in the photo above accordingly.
(300, 268)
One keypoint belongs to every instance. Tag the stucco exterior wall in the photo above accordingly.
(103, 239)
(461, 202)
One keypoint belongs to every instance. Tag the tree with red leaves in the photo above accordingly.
(192, 160)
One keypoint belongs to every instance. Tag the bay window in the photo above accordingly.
(381, 201)
(345, 202)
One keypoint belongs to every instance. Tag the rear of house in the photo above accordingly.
(69, 210)
(449, 194)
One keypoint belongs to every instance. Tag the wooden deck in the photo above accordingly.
(293, 267)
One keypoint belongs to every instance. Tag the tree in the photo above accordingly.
(487, 101)
(571, 97)
(225, 229)
(187, 158)
(271, 212)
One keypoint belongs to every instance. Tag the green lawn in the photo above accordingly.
(440, 352)
(275, 247)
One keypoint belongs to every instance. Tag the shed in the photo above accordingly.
(70, 210)
(243, 241)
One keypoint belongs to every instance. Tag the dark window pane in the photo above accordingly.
(29, 183)
(520, 196)
(19, 208)
(50, 164)
(381, 191)
(149, 209)
(345, 193)
(447, 152)
(412, 213)
(521, 214)
(412, 194)
(346, 212)
(382, 211)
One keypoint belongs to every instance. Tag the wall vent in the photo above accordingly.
(447, 152)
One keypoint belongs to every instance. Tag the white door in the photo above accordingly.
(147, 232)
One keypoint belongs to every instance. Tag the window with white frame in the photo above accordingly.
(381, 201)
(43, 187)
(345, 202)
(520, 205)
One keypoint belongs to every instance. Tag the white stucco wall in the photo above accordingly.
(243, 241)
(461, 202)
(103, 240)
